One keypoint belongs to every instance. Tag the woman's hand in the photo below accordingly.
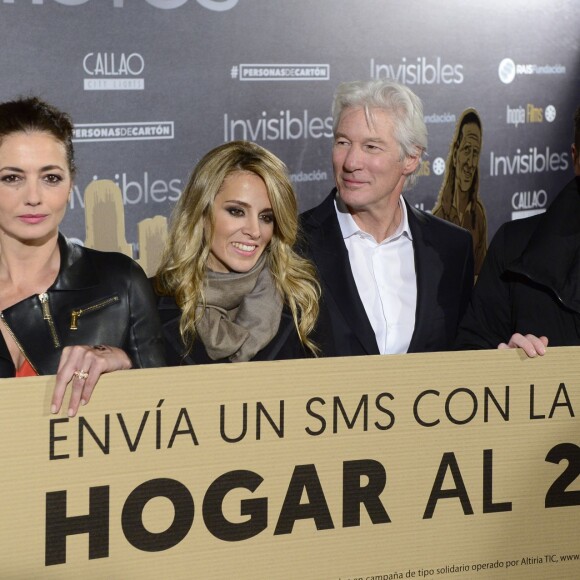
(82, 366)
(531, 345)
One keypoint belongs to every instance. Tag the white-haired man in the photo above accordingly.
(395, 279)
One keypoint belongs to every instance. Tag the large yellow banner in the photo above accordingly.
(458, 465)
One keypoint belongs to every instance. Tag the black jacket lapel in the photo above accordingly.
(427, 271)
(327, 249)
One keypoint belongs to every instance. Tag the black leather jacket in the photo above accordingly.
(97, 298)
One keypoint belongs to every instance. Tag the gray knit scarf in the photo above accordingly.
(242, 313)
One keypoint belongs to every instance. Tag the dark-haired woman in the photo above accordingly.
(64, 309)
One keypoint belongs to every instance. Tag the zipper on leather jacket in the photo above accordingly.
(17, 342)
(76, 314)
(48, 317)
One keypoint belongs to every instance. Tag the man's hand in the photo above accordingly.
(531, 345)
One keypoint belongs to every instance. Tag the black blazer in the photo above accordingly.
(285, 345)
(443, 264)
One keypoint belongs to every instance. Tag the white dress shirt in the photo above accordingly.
(385, 278)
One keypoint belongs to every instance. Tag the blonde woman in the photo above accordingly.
(231, 286)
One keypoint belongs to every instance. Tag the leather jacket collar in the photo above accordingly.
(74, 273)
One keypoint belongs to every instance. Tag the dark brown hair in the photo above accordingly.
(31, 114)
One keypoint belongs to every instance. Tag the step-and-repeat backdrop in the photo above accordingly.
(154, 84)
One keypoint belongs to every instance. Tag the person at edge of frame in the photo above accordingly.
(527, 293)
(64, 309)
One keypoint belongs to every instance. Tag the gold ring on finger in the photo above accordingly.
(82, 375)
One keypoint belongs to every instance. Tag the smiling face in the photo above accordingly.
(466, 157)
(243, 223)
(35, 183)
(366, 159)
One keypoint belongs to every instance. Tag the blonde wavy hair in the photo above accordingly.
(184, 264)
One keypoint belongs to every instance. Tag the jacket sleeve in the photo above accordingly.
(144, 343)
(487, 321)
